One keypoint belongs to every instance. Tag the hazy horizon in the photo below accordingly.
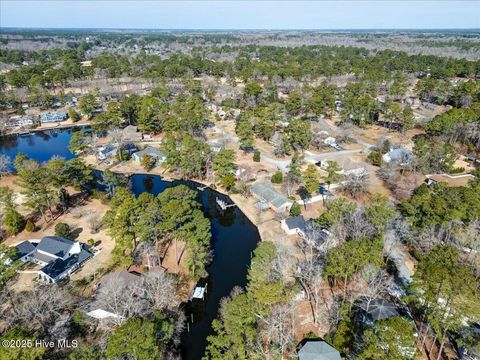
(241, 15)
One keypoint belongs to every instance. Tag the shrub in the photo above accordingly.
(73, 115)
(457, 170)
(63, 230)
(148, 162)
(277, 178)
(228, 181)
(13, 221)
(295, 210)
(30, 226)
(375, 158)
(91, 242)
(256, 156)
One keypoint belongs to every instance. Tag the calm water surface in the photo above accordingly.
(234, 237)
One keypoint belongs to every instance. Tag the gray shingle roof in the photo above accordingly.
(318, 350)
(296, 222)
(59, 266)
(24, 248)
(42, 257)
(150, 151)
(120, 278)
(55, 245)
(380, 309)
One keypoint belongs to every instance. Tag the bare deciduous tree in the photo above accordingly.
(37, 309)
(94, 223)
(278, 329)
(5, 165)
(356, 184)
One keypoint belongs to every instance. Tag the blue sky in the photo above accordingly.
(243, 14)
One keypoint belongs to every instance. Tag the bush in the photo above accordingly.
(277, 178)
(228, 181)
(30, 226)
(295, 210)
(375, 158)
(148, 162)
(256, 156)
(13, 221)
(73, 115)
(90, 242)
(457, 170)
(63, 230)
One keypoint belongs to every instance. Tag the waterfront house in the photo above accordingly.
(53, 117)
(294, 225)
(149, 150)
(266, 193)
(58, 257)
(122, 280)
(107, 151)
(19, 122)
(318, 350)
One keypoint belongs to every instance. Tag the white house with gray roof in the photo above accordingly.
(149, 150)
(58, 256)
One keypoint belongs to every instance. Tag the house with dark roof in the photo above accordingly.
(58, 256)
(318, 350)
(294, 225)
(24, 250)
(307, 229)
(376, 310)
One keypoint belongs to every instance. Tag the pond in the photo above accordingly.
(234, 237)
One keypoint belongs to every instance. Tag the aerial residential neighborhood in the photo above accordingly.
(283, 180)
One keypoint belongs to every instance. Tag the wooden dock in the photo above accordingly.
(222, 204)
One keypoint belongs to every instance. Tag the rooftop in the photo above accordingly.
(25, 248)
(318, 350)
(55, 245)
(268, 193)
(59, 266)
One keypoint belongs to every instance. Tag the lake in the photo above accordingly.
(234, 237)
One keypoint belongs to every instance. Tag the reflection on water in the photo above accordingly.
(234, 237)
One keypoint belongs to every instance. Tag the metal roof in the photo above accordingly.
(318, 350)
(268, 193)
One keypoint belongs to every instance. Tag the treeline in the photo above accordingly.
(270, 61)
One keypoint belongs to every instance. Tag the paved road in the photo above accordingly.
(309, 156)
